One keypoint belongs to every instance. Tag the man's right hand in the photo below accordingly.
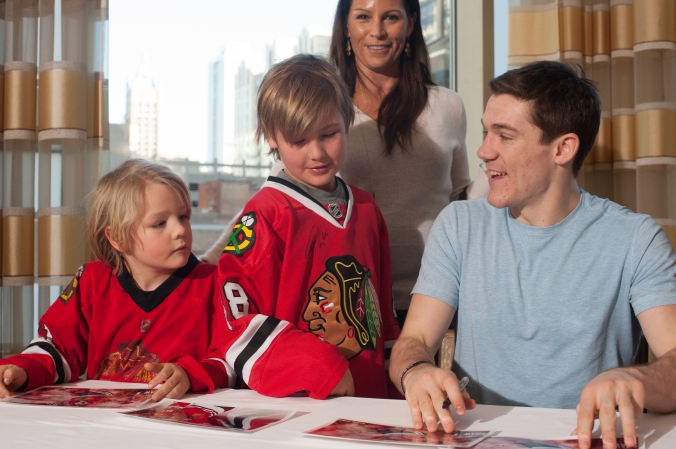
(427, 387)
(345, 386)
(12, 377)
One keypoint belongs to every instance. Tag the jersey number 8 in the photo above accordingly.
(237, 299)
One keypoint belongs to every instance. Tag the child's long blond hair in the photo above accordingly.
(119, 201)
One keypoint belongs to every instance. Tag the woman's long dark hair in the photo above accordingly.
(403, 105)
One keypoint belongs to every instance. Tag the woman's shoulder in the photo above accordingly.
(444, 97)
(445, 113)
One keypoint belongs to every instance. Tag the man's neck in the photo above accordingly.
(551, 208)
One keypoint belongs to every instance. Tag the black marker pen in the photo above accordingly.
(463, 384)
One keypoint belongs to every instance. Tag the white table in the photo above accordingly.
(69, 427)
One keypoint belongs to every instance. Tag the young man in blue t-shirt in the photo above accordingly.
(552, 286)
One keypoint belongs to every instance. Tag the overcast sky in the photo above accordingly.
(180, 38)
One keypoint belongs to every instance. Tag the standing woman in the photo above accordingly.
(407, 144)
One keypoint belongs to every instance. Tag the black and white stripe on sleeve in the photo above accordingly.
(252, 344)
(45, 346)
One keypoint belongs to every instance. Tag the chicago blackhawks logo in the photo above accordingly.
(126, 364)
(71, 289)
(343, 308)
(243, 236)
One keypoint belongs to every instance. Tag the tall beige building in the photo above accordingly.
(142, 116)
(315, 44)
(435, 18)
(247, 150)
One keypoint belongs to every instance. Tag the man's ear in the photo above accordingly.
(112, 241)
(566, 149)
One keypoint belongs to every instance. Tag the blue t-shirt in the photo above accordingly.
(542, 311)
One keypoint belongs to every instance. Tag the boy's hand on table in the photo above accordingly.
(345, 387)
(13, 378)
(175, 379)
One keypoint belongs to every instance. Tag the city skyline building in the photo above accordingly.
(247, 150)
(222, 103)
(435, 19)
(215, 115)
(142, 114)
(314, 44)
(279, 50)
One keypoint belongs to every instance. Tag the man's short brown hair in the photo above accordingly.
(561, 101)
(296, 94)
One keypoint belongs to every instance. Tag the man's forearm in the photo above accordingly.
(407, 351)
(426, 323)
(659, 381)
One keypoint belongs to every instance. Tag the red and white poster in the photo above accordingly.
(565, 443)
(237, 419)
(346, 429)
(83, 397)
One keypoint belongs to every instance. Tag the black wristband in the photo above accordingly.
(412, 365)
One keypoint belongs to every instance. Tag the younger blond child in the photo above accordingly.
(144, 311)
(305, 276)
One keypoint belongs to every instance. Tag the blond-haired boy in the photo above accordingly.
(145, 311)
(305, 276)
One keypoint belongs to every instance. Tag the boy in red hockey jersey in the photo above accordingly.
(305, 274)
(145, 311)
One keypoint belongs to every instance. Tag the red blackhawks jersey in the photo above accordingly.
(104, 325)
(306, 291)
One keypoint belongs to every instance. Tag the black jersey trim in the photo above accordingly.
(345, 189)
(264, 331)
(294, 187)
(304, 194)
(58, 363)
(149, 301)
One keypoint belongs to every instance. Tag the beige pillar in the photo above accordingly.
(475, 67)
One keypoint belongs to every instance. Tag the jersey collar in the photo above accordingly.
(306, 200)
(156, 297)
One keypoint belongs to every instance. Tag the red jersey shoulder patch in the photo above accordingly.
(243, 235)
(72, 288)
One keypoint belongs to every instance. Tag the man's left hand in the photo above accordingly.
(619, 388)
